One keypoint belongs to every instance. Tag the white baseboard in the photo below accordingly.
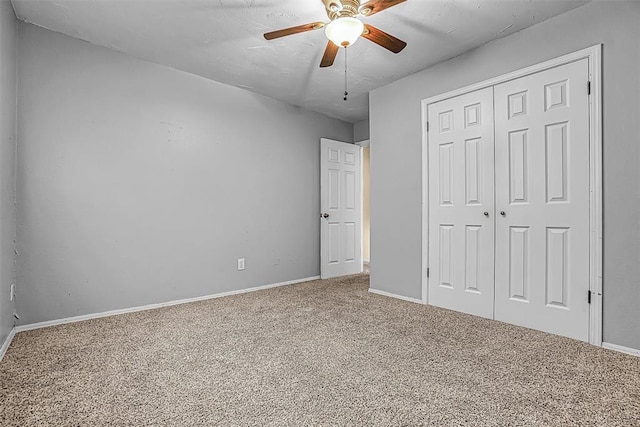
(83, 317)
(7, 343)
(389, 294)
(622, 349)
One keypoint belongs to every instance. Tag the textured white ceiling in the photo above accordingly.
(222, 40)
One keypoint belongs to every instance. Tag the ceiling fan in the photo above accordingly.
(344, 28)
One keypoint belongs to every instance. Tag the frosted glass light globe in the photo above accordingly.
(344, 31)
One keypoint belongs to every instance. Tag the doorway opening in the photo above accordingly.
(366, 188)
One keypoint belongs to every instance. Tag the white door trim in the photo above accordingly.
(363, 144)
(359, 144)
(594, 56)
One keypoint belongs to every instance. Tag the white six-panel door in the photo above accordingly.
(461, 221)
(542, 200)
(341, 209)
(522, 258)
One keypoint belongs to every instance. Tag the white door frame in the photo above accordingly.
(362, 144)
(594, 56)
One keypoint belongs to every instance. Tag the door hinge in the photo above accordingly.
(427, 272)
(589, 297)
(427, 126)
(588, 88)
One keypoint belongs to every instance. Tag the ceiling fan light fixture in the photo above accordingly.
(344, 31)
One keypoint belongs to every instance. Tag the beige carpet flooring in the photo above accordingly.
(318, 353)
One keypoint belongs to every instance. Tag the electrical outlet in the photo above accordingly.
(240, 263)
(12, 294)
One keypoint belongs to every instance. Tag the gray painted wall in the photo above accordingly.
(361, 131)
(141, 184)
(396, 185)
(8, 41)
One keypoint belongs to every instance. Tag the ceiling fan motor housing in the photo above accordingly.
(343, 8)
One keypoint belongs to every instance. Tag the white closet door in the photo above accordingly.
(542, 201)
(461, 219)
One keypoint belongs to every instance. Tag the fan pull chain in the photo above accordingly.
(345, 74)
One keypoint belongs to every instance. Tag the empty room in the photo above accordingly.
(319, 212)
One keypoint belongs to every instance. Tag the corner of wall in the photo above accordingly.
(14, 198)
(8, 148)
(361, 130)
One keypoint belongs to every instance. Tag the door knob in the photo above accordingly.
(325, 216)
(486, 213)
(503, 213)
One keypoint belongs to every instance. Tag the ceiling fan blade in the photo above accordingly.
(375, 6)
(294, 30)
(385, 40)
(330, 54)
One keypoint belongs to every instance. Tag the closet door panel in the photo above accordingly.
(461, 236)
(542, 201)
